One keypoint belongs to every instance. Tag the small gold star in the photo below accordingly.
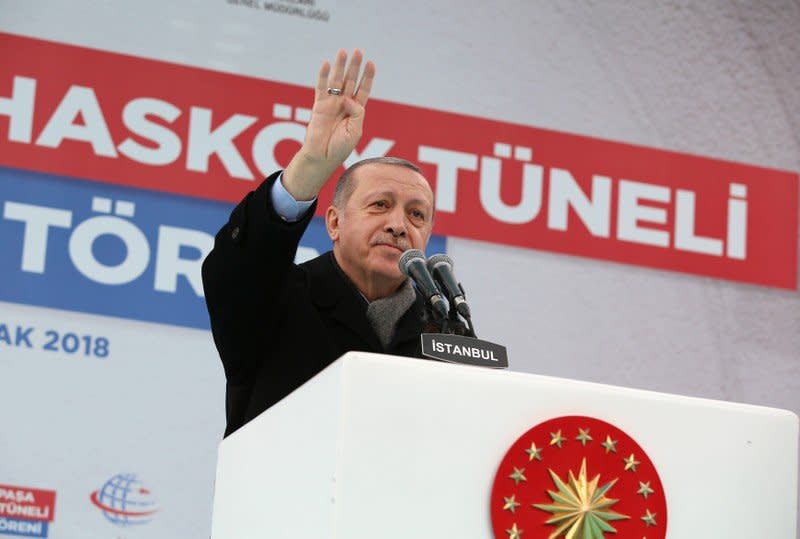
(534, 452)
(610, 445)
(631, 463)
(518, 476)
(511, 504)
(649, 518)
(644, 489)
(583, 437)
(557, 439)
(514, 532)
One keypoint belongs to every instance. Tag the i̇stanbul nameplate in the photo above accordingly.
(465, 350)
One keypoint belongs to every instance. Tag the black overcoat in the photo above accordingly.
(277, 324)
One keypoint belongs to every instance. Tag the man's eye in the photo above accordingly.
(380, 204)
(418, 214)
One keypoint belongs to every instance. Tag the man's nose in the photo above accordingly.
(395, 224)
(398, 231)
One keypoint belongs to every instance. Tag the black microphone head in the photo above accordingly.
(438, 259)
(407, 257)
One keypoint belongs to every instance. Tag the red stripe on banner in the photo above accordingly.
(120, 119)
(27, 503)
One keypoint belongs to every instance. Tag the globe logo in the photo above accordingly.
(124, 500)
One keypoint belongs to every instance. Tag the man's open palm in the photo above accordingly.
(337, 121)
(336, 124)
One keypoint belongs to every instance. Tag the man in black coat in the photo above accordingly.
(277, 324)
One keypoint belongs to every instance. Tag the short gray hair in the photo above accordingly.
(345, 186)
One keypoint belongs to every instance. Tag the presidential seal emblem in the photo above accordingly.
(577, 477)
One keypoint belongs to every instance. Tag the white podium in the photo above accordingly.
(397, 448)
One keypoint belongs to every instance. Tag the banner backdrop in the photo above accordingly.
(127, 133)
(172, 128)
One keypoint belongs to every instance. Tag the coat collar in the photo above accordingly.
(332, 291)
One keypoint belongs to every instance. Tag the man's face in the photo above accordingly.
(389, 211)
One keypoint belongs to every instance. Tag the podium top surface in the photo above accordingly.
(355, 359)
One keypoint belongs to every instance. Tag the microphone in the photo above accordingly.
(412, 264)
(441, 267)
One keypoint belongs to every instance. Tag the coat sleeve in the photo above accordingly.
(243, 280)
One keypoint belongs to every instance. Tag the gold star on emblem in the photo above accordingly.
(631, 463)
(644, 489)
(511, 504)
(534, 452)
(610, 445)
(514, 532)
(583, 437)
(649, 518)
(557, 439)
(518, 475)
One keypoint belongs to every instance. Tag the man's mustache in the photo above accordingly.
(400, 243)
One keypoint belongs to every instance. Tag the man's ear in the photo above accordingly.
(332, 222)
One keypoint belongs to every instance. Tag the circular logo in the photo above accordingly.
(124, 500)
(577, 477)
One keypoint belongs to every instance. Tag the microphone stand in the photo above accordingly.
(454, 314)
(451, 338)
(452, 324)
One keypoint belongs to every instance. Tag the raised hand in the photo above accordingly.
(337, 121)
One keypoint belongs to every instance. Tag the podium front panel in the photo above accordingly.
(419, 443)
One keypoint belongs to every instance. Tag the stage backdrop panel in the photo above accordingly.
(618, 186)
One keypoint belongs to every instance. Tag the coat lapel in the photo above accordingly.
(333, 292)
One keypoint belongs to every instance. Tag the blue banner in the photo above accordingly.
(22, 528)
(105, 249)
